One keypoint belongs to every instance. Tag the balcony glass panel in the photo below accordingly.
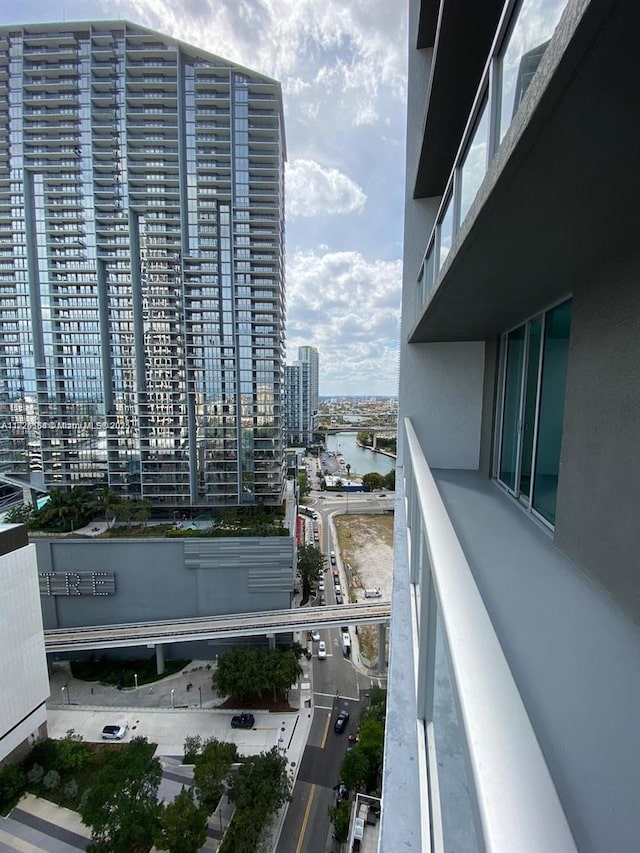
(474, 165)
(532, 28)
(445, 230)
(511, 412)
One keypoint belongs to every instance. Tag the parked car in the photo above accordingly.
(338, 588)
(332, 557)
(242, 721)
(322, 650)
(336, 575)
(113, 732)
(315, 516)
(321, 586)
(341, 722)
(338, 598)
(315, 636)
(373, 592)
(323, 600)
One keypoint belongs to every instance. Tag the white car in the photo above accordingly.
(321, 586)
(315, 636)
(113, 732)
(322, 650)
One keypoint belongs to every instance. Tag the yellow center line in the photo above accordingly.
(326, 732)
(305, 819)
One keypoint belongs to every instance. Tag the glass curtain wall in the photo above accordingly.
(534, 372)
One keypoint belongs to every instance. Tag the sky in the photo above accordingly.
(342, 66)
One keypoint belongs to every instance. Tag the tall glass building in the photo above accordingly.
(301, 396)
(142, 302)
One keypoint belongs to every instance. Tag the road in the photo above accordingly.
(336, 685)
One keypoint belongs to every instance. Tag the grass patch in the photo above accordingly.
(120, 673)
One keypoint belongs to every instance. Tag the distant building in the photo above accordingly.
(23, 662)
(142, 272)
(301, 397)
(514, 688)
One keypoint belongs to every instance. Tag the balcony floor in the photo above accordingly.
(574, 656)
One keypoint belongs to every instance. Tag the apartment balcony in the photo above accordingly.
(541, 187)
(522, 676)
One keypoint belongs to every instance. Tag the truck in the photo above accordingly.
(346, 644)
(373, 592)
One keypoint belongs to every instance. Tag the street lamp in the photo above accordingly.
(135, 678)
(172, 697)
(200, 690)
(62, 690)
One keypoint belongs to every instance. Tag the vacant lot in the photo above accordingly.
(366, 550)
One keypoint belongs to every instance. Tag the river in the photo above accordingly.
(362, 461)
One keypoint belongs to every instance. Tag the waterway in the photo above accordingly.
(362, 461)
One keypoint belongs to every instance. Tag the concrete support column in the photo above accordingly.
(159, 658)
(382, 648)
(272, 640)
(375, 440)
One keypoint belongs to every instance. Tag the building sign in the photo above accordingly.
(77, 583)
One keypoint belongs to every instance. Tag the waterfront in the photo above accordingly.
(362, 461)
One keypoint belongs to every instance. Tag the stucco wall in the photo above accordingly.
(599, 484)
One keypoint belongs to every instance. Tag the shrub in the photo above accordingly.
(51, 780)
(13, 782)
(35, 775)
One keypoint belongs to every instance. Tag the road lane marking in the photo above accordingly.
(324, 707)
(305, 819)
(326, 731)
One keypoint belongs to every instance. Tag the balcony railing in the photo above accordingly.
(514, 803)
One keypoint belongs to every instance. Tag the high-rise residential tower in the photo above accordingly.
(301, 396)
(142, 302)
(514, 694)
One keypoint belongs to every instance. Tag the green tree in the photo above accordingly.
(390, 480)
(304, 487)
(340, 817)
(373, 481)
(280, 670)
(13, 782)
(183, 825)
(311, 564)
(108, 502)
(211, 769)
(348, 467)
(261, 784)
(125, 511)
(71, 752)
(121, 807)
(355, 769)
(238, 673)
(20, 514)
(143, 511)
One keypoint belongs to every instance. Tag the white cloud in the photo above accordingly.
(313, 190)
(349, 308)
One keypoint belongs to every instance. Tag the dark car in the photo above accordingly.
(341, 722)
(243, 721)
(338, 598)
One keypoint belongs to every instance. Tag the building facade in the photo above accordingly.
(302, 396)
(23, 666)
(514, 639)
(142, 267)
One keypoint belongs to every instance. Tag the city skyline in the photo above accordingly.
(342, 72)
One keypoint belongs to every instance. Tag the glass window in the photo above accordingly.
(532, 28)
(552, 390)
(445, 231)
(474, 165)
(534, 371)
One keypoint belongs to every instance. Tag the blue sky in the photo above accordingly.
(342, 66)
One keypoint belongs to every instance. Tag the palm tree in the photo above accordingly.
(109, 501)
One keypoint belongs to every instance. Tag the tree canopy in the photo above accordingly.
(311, 565)
(183, 825)
(121, 807)
(211, 769)
(249, 672)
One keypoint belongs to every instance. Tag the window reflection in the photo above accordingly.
(474, 165)
(445, 233)
(531, 30)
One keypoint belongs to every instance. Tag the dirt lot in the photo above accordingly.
(366, 550)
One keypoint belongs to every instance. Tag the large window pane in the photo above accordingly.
(552, 391)
(474, 165)
(530, 396)
(533, 26)
(511, 411)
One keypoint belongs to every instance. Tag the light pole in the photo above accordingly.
(63, 690)
(200, 691)
(172, 697)
(135, 678)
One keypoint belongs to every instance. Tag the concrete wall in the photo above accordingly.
(599, 485)
(169, 578)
